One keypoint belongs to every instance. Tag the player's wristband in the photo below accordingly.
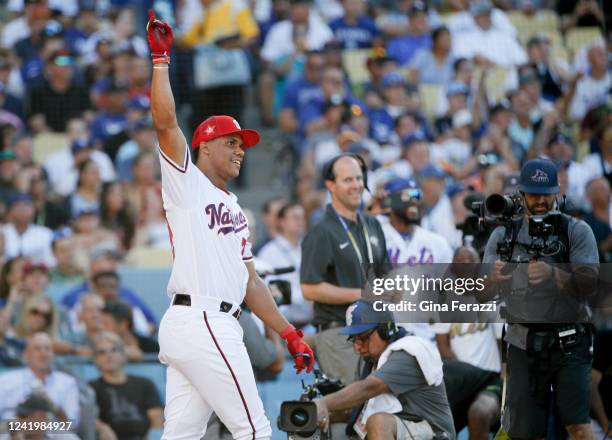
(160, 58)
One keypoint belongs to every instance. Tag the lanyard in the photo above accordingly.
(366, 235)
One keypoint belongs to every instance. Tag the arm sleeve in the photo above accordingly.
(490, 255)
(583, 246)
(316, 257)
(179, 181)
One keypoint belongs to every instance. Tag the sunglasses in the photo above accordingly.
(43, 313)
(361, 338)
(107, 350)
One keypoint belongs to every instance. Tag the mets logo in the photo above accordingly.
(539, 176)
(220, 215)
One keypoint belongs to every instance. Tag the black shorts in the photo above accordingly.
(570, 377)
(464, 383)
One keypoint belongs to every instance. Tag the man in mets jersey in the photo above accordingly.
(199, 336)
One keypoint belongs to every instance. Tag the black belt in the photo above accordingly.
(181, 299)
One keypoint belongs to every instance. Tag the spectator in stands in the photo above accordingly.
(65, 272)
(300, 92)
(378, 64)
(11, 282)
(355, 30)
(230, 26)
(10, 102)
(285, 251)
(142, 140)
(552, 71)
(601, 397)
(401, 393)
(62, 167)
(35, 15)
(129, 405)
(403, 48)
(521, 130)
(303, 22)
(486, 44)
(398, 99)
(104, 259)
(22, 236)
(593, 88)
(599, 218)
(22, 145)
(89, 233)
(146, 181)
(59, 98)
(269, 216)
(416, 155)
(39, 377)
(496, 139)
(86, 197)
(435, 65)
(90, 318)
(152, 229)
(117, 317)
(115, 214)
(9, 167)
(454, 152)
(112, 119)
(50, 211)
(11, 347)
(439, 212)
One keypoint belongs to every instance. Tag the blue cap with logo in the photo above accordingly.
(400, 184)
(539, 176)
(361, 317)
(391, 79)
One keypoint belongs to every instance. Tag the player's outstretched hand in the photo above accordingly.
(300, 350)
(160, 36)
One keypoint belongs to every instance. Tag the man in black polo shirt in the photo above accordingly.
(338, 254)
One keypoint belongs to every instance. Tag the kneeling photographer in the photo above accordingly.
(545, 304)
(401, 394)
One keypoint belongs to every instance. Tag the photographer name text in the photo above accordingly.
(431, 306)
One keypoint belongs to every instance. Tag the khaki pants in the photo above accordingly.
(336, 356)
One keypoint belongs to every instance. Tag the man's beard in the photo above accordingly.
(405, 218)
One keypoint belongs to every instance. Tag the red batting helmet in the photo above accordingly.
(217, 126)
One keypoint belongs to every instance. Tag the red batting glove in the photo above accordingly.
(300, 350)
(160, 39)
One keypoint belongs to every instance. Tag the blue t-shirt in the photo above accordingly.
(355, 36)
(402, 49)
(314, 109)
(300, 93)
(107, 124)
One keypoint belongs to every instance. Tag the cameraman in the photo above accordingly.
(542, 354)
(401, 394)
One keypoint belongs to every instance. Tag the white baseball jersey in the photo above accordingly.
(208, 232)
(474, 343)
(423, 247)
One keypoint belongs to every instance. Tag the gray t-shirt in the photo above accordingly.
(261, 350)
(404, 377)
(544, 305)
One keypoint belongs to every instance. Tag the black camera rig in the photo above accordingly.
(298, 418)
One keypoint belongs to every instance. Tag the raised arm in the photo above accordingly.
(171, 139)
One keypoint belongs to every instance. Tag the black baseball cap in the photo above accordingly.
(539, 176)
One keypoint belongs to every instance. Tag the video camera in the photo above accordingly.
(283, 286)
(298, 418)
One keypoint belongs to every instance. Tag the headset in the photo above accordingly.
(386, 330)
(328, 169)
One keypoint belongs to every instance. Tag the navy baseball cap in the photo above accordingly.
(434, 171)
(139, 102)
(19, 197)
(361, 317)
(80, 144)
(539, 176)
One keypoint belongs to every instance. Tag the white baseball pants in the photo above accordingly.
(208, 370)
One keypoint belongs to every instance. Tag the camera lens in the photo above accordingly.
(299, 417)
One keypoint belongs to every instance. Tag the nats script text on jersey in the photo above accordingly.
(209, 234)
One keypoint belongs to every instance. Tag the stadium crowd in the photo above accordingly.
(456, 94)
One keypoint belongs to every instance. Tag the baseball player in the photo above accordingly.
(199, 336)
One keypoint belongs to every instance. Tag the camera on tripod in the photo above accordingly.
(298, 418)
